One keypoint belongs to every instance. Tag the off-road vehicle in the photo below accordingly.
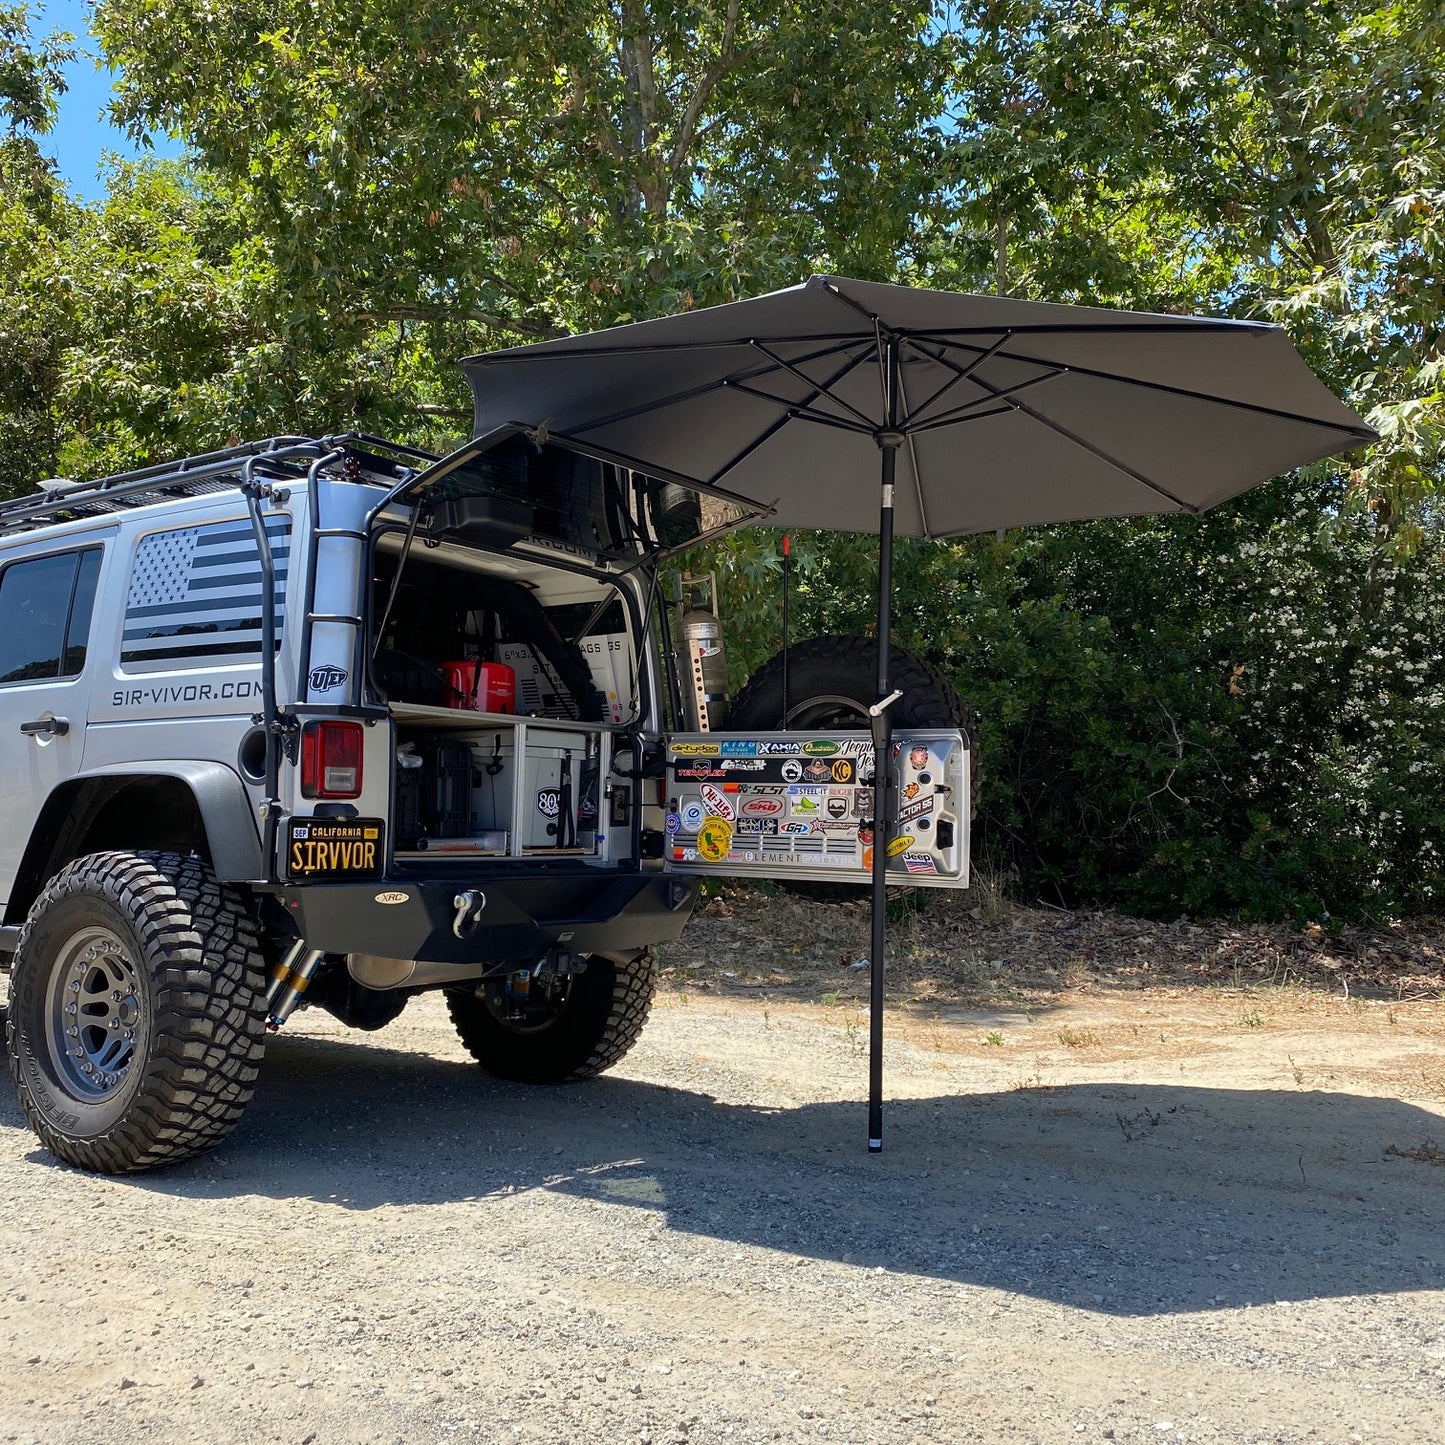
(338, 721)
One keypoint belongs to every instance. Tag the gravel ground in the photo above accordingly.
(1159, 1213)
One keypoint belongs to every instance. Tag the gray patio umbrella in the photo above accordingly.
(857, 406)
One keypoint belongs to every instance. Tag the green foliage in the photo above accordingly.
(1239, 713)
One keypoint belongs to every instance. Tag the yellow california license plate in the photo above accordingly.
(334, 847)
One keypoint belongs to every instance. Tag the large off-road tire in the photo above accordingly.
(832, 682)
(136, 1024)
(590, 1024)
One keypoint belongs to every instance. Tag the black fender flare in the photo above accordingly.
(223, 807)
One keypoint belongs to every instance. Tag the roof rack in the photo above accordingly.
(276, 458)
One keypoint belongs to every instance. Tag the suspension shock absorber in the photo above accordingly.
(291, 975)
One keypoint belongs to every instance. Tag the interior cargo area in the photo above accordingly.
(507, 678)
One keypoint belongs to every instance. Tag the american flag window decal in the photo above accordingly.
(196, 592)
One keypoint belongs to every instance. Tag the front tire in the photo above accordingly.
(136, 1028)
(586, 1028)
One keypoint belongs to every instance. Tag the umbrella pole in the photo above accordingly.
(888, 444)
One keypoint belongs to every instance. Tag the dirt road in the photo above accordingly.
(1169, 1216)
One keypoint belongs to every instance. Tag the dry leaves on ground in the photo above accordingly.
(974, 948)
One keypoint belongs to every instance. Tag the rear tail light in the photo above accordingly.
(331, 760)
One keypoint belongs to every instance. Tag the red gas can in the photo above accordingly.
(481, 686)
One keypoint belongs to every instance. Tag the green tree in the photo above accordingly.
(506, 171)
(33, 221)
(1262, 158)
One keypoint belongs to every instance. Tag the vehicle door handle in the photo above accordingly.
(46, 727)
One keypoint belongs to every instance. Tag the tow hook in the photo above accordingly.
(469, 905)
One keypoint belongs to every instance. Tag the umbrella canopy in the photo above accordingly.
(1012, 412)
(849, 405)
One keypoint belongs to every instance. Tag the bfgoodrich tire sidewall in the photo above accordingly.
(37, 1074)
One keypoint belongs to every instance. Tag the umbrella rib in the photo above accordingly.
(798, 410)
(1078, 441)
(819, 388)
(678, 396)
(539, 350)
(1101, 454)
(939, 423)
(959, 414)
(770, 432)
(646, 468)
(913, 453)
(1057, 328)
(1365, 434)
(838, 294)
(963, 375)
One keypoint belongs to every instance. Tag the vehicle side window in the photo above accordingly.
(46, 606)
(77, 630)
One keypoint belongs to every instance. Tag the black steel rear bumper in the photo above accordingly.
(523, 918)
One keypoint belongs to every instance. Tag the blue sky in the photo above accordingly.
(80, 135)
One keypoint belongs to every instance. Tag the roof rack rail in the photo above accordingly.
(215, 471)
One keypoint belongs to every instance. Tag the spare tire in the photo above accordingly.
(832, 682)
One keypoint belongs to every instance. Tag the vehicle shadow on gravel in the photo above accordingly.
(1127, 1199)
